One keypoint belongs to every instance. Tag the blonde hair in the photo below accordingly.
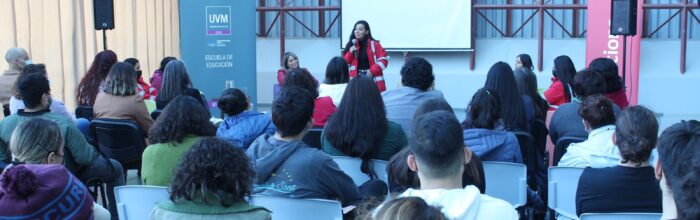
(408, 208)
(33, 140)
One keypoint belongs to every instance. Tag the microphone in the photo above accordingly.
(354, 43)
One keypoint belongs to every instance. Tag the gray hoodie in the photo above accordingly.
(295, 170)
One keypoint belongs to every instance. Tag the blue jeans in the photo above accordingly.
(83, 125)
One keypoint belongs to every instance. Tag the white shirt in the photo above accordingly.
(335, 91)
(465, 204)
(598, 151)
(56, 106)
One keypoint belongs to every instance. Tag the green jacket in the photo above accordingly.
(394, 140)
(197, 210)
(83, 153)
(159, 161)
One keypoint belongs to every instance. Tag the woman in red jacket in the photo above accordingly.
(365, 55)
(563, 73)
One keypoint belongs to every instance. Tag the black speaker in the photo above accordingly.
(104, 14)
(623, 17)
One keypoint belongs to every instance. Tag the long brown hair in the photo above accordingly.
(90, 84)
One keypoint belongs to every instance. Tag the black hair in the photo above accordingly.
(635, 133)
(213, 168)
(432, 105)
(483, 111)
(417, 72)
(588, 82)
(678, 156)
(608, 69)
(597, 111)
(31, 88)
(527, 85)
(337, 71)
(438, 143)
(501, 80)
(183, 116)
(164, 62)
(132, 61)
(300, 77)
(232, 102)
(292, 110)
(401, 177)
(352, 35)
(89, 85)
(361, 109)
(565, 70)
(29, 69)
(525, 60)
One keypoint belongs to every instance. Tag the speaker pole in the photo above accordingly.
(104, 39)
(624, 61)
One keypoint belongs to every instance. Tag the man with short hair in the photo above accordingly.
(679, 171)
(439, 156)
(80, 157)
(17, 58)
(287, 167)
(417, 82)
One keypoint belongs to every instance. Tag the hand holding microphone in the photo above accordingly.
(353, 49)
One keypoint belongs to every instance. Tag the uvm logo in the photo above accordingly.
(218, 20)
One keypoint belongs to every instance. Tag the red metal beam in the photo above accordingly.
(531, 7)
(302, 8)
(540, 37)
(684, 35)
(574, 21)
(283, 29)
(321, 19)
(509, 20)
(261, 27)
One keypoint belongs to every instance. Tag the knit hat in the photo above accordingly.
(30, 191)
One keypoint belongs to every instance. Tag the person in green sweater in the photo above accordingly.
(212, 182)
(182, 123)
(359, 127)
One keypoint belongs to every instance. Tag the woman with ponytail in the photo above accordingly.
(241, 125)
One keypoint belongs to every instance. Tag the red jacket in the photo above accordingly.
(281, 73)
(378, 61)
(146, 91)
(619, 98)
(323, 109)
(555, 94)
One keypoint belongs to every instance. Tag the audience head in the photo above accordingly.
(501, 80)
(136, 64)
(164, 62)
(678, 158)
(292, 111)
(233, 101)
(564, 70)
(34, 90)
(409, 208)
(636, 133)
(608, 69)
(400, 174)
(290, 61)
(417, 73)
(523, 61)
(596, 111)
(29, 69)
(90, 84)
(527, 85)
(214, 171)
(361, 109)
(337, 71)
(17, 58)
(37, 141)
(181, 117)
(303, 79)
(437, 146)
(121, 80)
(587, 83)
(432, 105)
(175, 81)
(484, 110)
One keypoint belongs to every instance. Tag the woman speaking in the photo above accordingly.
(365, 55)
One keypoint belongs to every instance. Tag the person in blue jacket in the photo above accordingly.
(241, 126)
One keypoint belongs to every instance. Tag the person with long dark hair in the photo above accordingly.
(94, 79)
(323, 106)
(241, 125)
(360, 129)
(480, 130)
(523, 61)
(615, 88)
(517, 111)
(366, 55)
(157, 77)
(144, 90)
(337, 78)
(563, 72)
(527, 86)
(176, 82)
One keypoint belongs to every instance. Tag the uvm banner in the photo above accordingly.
(218, 46)
(599, 43)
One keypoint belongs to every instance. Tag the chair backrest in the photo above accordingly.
(136, 202)
(562, 186)
(539, 135)
(507, 181)
(119, 139)
(85, 112)
(150, 105)
(351, 167)
(561, 146)
(155, 114)
(621, 216)
(313, 138)
(6, 110)
(527, 149)
(309, 209)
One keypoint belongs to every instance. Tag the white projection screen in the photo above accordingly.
(411, 25)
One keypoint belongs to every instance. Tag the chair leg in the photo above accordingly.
(104, 195)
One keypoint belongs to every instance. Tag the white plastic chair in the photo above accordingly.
(136, 202)
(621, 216)
(563, 183)
(309, 209)
(507, 181)
(351, 167)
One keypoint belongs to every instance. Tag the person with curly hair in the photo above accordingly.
(94, 79)
(417, 82)
(183, 122)
(212, 182)
(241, 126)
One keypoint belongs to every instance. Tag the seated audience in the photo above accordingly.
(144, 90)
(120, 100)
(526, 81)
(336, 80)
(417, 82)
(182, 123)
(16, 103)
(177, 82)
(439, 156)
(290, 62)
(17, 58)
(94, 80)
(407, 208)
(241, 125)
(323, 106)
(35, 92)
(560, 92)
(679, 171)
(523, 60)
(359, 128)
(517, 111)
(615, 88)
(285, 166)
(599, 149)
(213, 181)
(481, 133)
(630, 186)
(156, 79)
